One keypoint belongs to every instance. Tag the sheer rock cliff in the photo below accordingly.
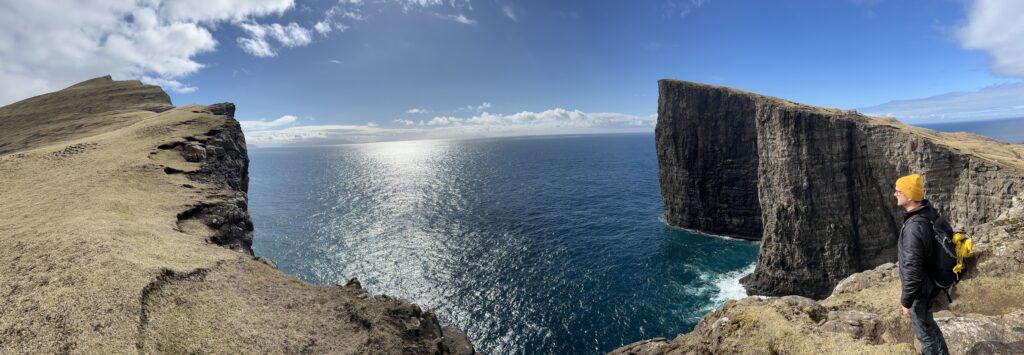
(124, 228)
(815, 184)
(820, 182)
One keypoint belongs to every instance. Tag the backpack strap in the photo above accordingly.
(941, 237)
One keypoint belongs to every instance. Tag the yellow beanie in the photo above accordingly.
(912, 186)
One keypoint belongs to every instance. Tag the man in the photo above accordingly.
(917, 249)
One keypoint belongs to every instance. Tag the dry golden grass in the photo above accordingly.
(92, 259)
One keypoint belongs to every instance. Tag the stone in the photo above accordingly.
(856, 323)
(455, 342)
(354, 283)
(883, 274)
(645, 347)
(996, 347)
(980, 334)
(194, 152)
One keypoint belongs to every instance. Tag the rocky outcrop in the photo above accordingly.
(224, 162)
(124, 228)
(814, 184)
(863, 314)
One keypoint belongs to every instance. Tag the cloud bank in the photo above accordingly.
(281, 132)
(993, 102)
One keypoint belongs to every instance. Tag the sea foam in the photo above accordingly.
(729, 287)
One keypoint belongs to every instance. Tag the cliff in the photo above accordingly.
(863, 316)
(815, 184)
(124, 228)
(823, 181)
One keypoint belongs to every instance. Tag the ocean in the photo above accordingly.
(540, 245)
(1009, 130)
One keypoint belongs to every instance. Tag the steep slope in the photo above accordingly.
(81, 110)
(124, 228)
(824, 179)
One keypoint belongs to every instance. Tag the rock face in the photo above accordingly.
(707, 155)
(814, 184)
(863, 315)
(124, 228)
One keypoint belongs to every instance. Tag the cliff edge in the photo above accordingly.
(863, 315)
(124, 228)
(815, 184)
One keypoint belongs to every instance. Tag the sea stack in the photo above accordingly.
(124, 227)
(815, 184)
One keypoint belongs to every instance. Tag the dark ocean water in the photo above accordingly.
(1008, 130)
(531, 245)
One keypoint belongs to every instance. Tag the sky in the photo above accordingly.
(340, 71)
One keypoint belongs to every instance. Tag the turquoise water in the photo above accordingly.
(530, 245)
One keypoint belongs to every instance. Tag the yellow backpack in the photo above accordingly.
(964, 249)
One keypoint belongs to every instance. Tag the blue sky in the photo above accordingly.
(554, 66)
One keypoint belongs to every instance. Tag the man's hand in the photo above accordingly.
(906, 312)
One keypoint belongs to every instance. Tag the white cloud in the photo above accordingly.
(335, 17)
(251, 126)
(312, 135)
(995, 27)
(553, 121)
(169, 84)
(509, 12)
(460, 18)
(222, 10)
(322, 27)
(408, 4)
(423, 3)
(345, 12)
(48, 45)
(335, 61)
(482, 106)
(257, 44)
(416, 110)
(552, 118)
(997, 101)
(682, 8)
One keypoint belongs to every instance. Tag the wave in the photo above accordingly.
(729, 287)
(706, 234)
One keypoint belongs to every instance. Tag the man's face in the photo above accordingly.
(901, 199)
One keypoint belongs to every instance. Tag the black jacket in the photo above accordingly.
(917, 253)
